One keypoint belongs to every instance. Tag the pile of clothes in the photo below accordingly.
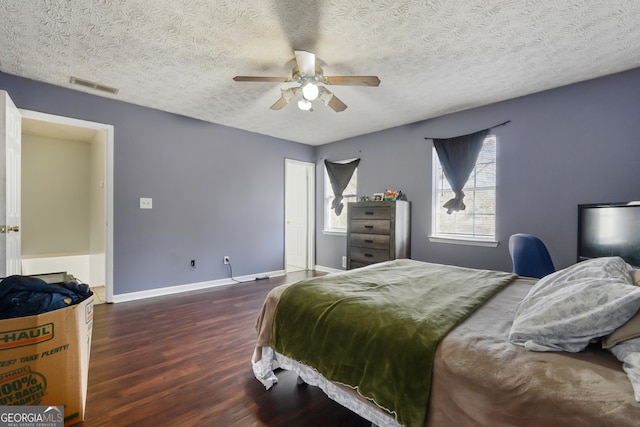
(27, 296)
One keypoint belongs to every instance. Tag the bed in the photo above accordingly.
(507, 357)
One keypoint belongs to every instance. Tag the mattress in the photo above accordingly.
(481, 379)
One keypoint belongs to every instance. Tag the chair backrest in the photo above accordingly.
(530, 256)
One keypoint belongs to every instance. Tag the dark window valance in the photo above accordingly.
(458, 156)
(339, 175)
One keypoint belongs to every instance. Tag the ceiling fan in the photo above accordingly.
(309, 76)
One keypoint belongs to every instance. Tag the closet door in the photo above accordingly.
(10, 158)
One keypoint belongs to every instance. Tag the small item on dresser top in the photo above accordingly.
(390, 195)
(393, 195)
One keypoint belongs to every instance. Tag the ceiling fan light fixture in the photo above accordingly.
(310, 91)
(304, 105)
(310, 80)
(289, 93)
(326, 96)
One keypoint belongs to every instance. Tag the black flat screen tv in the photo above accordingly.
(609, 229)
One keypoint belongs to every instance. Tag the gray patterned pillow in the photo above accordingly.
(565, 310)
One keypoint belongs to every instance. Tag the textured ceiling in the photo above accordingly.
(433, 56)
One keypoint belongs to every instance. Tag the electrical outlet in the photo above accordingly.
(146, 203)
(344, 262)
(226, 259)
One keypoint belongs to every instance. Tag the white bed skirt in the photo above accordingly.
(263, 371)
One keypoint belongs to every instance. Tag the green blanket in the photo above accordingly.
(377, 328)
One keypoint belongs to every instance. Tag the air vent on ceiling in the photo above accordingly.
(92, 85)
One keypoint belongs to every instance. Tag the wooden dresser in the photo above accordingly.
(377, 231)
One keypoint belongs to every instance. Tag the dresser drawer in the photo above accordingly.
(358, 264)
(369, 255)
(375, 241)
(370, 212)
(374, 226)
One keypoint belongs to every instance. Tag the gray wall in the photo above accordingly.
(216, 190)
(571, 145)
(219, 191)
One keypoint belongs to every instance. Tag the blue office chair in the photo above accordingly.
(530, 256)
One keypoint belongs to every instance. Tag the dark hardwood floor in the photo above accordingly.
(184, 360)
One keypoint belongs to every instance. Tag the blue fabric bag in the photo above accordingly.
(27, 296)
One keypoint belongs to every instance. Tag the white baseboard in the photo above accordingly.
(78, 265)
(328, 269)
(171, 290)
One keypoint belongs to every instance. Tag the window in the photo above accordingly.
(338, 223)
(478, 221)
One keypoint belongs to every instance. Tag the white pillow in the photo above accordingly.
(627, 331)
(635, 276)
(565, 310)
(628, 352)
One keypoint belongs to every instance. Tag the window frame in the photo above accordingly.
(328, 196)
(462, 238)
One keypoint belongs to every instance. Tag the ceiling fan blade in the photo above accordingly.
(279, 104)
(287, 94)
(260, 79)
(352, 80)
(331, 100)
(306, 62)
(336, 104)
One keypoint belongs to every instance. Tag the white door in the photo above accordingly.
(297, 214)
(10, 131)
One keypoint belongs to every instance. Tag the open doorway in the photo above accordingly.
(67, 199)
(299, 215)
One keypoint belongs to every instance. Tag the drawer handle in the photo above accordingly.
(368, 241)
(369, 255)
(369, 226)
(369, 213)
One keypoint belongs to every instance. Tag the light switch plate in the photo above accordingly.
(146, 203)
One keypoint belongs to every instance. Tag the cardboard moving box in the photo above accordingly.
(44, 359)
